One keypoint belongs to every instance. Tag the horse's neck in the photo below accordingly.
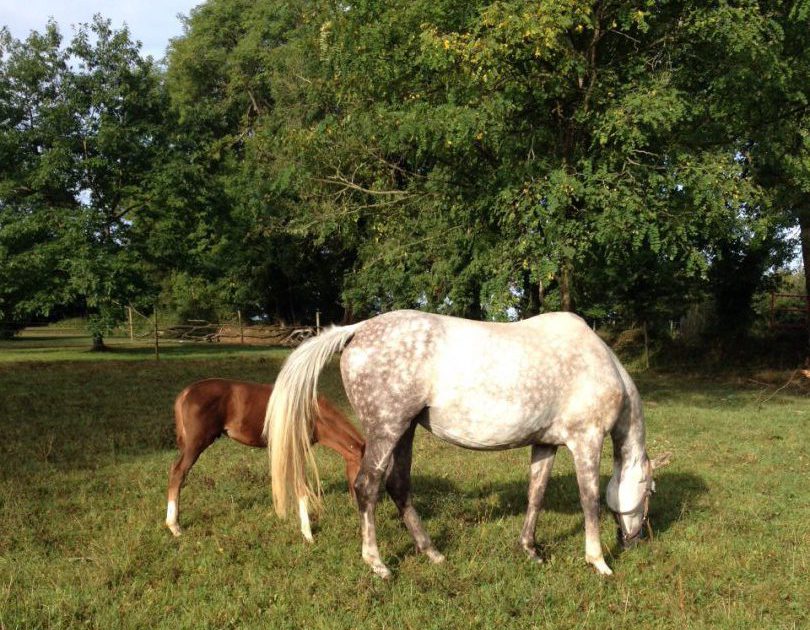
(629, 440)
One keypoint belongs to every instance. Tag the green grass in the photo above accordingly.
(53, 344)
(86, 446)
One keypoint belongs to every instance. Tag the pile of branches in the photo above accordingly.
(266, 335)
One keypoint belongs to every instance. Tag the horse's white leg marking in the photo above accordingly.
(303, 514)
(371, 554)
(171, 518)
(586, 463)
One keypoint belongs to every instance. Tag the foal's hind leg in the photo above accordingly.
(177, 476)
(542, 461)
(586, 463)
(398, 485)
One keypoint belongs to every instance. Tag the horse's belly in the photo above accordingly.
(496, 430)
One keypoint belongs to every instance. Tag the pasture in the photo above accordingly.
(87, 441)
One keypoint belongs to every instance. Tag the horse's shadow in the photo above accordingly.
(438, 498)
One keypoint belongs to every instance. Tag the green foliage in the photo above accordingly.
(484, 159)
(82, 133)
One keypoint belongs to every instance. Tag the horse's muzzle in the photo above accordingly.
(629, 542)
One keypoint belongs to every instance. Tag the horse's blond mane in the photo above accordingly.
(290, 415)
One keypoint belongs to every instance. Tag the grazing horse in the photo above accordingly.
(543, 382)
(208, 409)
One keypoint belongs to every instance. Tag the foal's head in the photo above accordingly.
(628, 497)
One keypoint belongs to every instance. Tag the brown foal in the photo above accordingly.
(208, 409)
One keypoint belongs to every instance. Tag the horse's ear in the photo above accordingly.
(664, 459)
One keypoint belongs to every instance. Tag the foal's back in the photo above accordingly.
(216, 406)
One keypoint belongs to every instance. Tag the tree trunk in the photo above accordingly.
(98, 343)
(532, 297)
(804, 236)
(566, 299)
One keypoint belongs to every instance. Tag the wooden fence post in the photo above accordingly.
(157, 344)
(241, 327)
(646, 347)
(131, 332)
(318, 322)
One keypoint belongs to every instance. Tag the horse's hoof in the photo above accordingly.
(601, 567)
(382, 571)
(175, 529)
(434, 556)
(531, 554)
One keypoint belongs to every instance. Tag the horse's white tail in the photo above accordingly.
(290, 415)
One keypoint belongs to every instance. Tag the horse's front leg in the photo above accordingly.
(540, 472)
(398, 485)
(586, 463)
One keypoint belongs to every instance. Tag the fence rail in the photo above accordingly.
(789, 310)
(147, 328)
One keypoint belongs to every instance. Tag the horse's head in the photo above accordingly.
(628, 497)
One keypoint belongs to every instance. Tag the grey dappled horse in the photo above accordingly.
(543, 382)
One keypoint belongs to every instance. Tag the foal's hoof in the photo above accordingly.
(601, 567)
(175, 529)
(434, 556)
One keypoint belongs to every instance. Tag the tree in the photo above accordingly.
(83, 128)
(236, 78)
(482, 157)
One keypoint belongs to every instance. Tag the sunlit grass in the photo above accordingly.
(53, 345)
(87, 445)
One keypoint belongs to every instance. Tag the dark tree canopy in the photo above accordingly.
(489, 159)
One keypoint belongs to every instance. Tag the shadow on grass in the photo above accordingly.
(440, 501)
(711, 392)
(435, 497)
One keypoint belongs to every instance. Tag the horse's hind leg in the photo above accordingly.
(303, 516)
(540, 471)
(586, 463)
(381, 442)
(177, 476)
(398, 485)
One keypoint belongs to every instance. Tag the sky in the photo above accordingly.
(152, 22)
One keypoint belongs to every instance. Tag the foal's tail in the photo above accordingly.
(290, 414)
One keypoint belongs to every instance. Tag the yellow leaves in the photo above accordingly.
(446, 44)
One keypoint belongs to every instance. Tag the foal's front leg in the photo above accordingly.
(540, 472)
(586, 463)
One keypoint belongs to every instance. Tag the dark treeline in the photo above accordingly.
(629, 161)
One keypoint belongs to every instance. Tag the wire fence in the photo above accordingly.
(142, 328)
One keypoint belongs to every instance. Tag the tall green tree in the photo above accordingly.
(483, 157)
(83, 129)
(236, 78)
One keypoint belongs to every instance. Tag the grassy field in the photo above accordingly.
(87, 442)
